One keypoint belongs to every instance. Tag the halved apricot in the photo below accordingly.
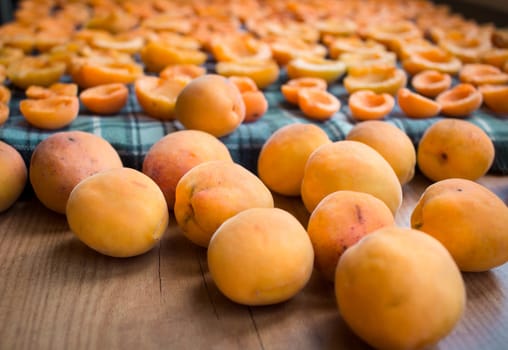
(50, 113)
(368, 105)
(190, 71)
(5, 94)
(379, 79)
(460, 101)
(479, 74)
(157, 96)
(432, 58)
(35, 70)
(4, 112)
(315, 67)
(468, 49)
(94, 72)
(353, 44)
(417, 106)
(290, 88)
(118, 43)
(105, 99)
(9, 55)
(56, 89)
(362, 59)
(238, 47)
(431, 83)
(263, 73)
(3, 73)
(285, 49)
(495, 97)
(387, 32)
(318, 104)
(496, 57)
(156, 56)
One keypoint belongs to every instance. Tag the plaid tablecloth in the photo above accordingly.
(132, 133)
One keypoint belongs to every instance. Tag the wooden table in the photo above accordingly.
(56, 293)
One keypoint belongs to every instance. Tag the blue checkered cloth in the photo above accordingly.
(132, 133)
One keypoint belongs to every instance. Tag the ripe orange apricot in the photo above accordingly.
(184, 70)
(415, 105)
(256, 105)
(105, 99)
(368, 105)
(50, 113)
(460, 101)
(495, 97)
(479, 74)
(158, 96)
(290, 88)
(158, 55)
(318, 104)
(431, 83)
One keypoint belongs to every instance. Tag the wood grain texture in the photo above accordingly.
(56, 293)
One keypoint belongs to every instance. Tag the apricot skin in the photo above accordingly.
(62, 160)
(118, 212)
(210, 103)
(260, 256)
(13, 175)
(176, 153)
(468, 219)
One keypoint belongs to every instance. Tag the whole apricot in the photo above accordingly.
(284, 154)
(13, 175)
(176, 153)
(391, 142)
(349, 165)
(212, 192)
(398, 288)
(468, 219)
(210, 103)
(63, 159)
(260, 256)
(118, 212)
(454, 148)
(339, 221)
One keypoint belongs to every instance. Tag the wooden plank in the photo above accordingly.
(56, 293)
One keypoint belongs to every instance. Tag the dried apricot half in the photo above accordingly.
(479, 74)
(431, 83)
(105, 99)
(368, 105)
(50, 113)
(157, 96)
(184, 70)
(263, 73)
(315, 67)
(379, 79)
(5, 94)
(433, 58)
(318, 104)
(56, 89)
(415, 105)
(290, 89)
(495, 97)
(460, 101)
(35, 70)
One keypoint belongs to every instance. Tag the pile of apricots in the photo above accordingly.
(207, 65)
